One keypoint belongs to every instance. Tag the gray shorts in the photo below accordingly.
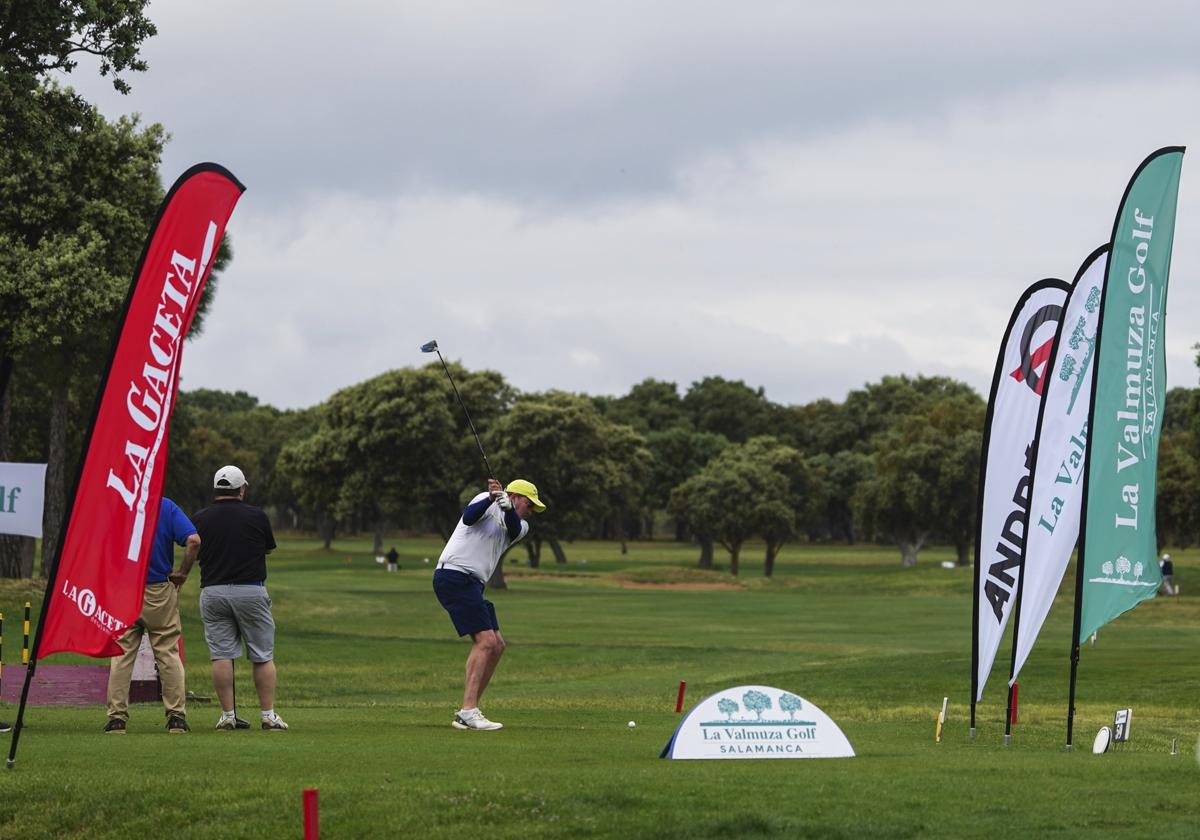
(233, 614)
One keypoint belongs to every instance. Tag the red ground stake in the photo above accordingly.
(312, 822)
(1014, 704)
(679, 699)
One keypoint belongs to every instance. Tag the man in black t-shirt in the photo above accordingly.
(235, 539)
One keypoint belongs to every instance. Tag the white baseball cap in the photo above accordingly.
(228, 478)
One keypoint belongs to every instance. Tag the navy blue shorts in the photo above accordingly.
(462, 596)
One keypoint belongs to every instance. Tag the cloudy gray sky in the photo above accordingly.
(583, 195)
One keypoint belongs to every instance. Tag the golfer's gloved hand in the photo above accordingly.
(502, 499)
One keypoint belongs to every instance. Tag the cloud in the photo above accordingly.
(582, 196)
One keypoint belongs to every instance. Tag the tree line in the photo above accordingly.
(718, 464)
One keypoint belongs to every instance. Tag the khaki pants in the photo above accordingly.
(160, 621)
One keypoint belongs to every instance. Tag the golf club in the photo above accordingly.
(432, 347)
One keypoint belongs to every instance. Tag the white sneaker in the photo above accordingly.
(473, 719)
(274, 722)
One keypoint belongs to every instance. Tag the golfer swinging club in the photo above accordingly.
(491, 523)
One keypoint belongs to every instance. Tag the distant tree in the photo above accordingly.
(819, 427)
(650, 406)
(836, 479)
(729, 408)
(316, 468)
(879, 407)
(691, 503)
(212, 428)
(676, 454)
(793, 514)
(399, 449)
(925, 467)
(789, 703)
(757, 702)
(727, 707)
(1177, 508)
(733, 498)
(584, 465)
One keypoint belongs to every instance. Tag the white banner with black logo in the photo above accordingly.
(22, 494)
(1004, 479)
(1057, 496)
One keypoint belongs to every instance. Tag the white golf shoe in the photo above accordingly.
(473, 719)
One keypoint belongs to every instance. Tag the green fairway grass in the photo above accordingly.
(370, 673)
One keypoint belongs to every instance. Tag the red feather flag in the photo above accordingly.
(95, 590)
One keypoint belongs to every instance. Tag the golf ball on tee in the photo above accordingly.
(632, 724)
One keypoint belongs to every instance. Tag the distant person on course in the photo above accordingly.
(1168, 573)
(491, 523)
(159, 621)
(234, 605)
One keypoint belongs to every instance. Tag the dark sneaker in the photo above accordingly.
(176, 724)
(115, 726)
(5, 726)
(274, 723)
(240, 723)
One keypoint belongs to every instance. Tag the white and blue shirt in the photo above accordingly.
(481, 537)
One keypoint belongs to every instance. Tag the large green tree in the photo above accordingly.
(586, 467)
(211, 428)
(651, 406)
(677, 453)
(71, 231)
(793, 514)
(926, 466)
(730, 408)
(398, 448)
(741, 493)
(837, 477)
(45, 132)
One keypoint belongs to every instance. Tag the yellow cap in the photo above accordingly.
(525, 488)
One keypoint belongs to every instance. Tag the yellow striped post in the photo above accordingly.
(25, 644)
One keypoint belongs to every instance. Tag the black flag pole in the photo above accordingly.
(1075, 624)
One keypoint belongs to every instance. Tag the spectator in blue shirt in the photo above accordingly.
(160, 622)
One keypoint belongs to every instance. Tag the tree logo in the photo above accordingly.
(1120, 567)
(789, 703)
(1080, 340)
(756, 702)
